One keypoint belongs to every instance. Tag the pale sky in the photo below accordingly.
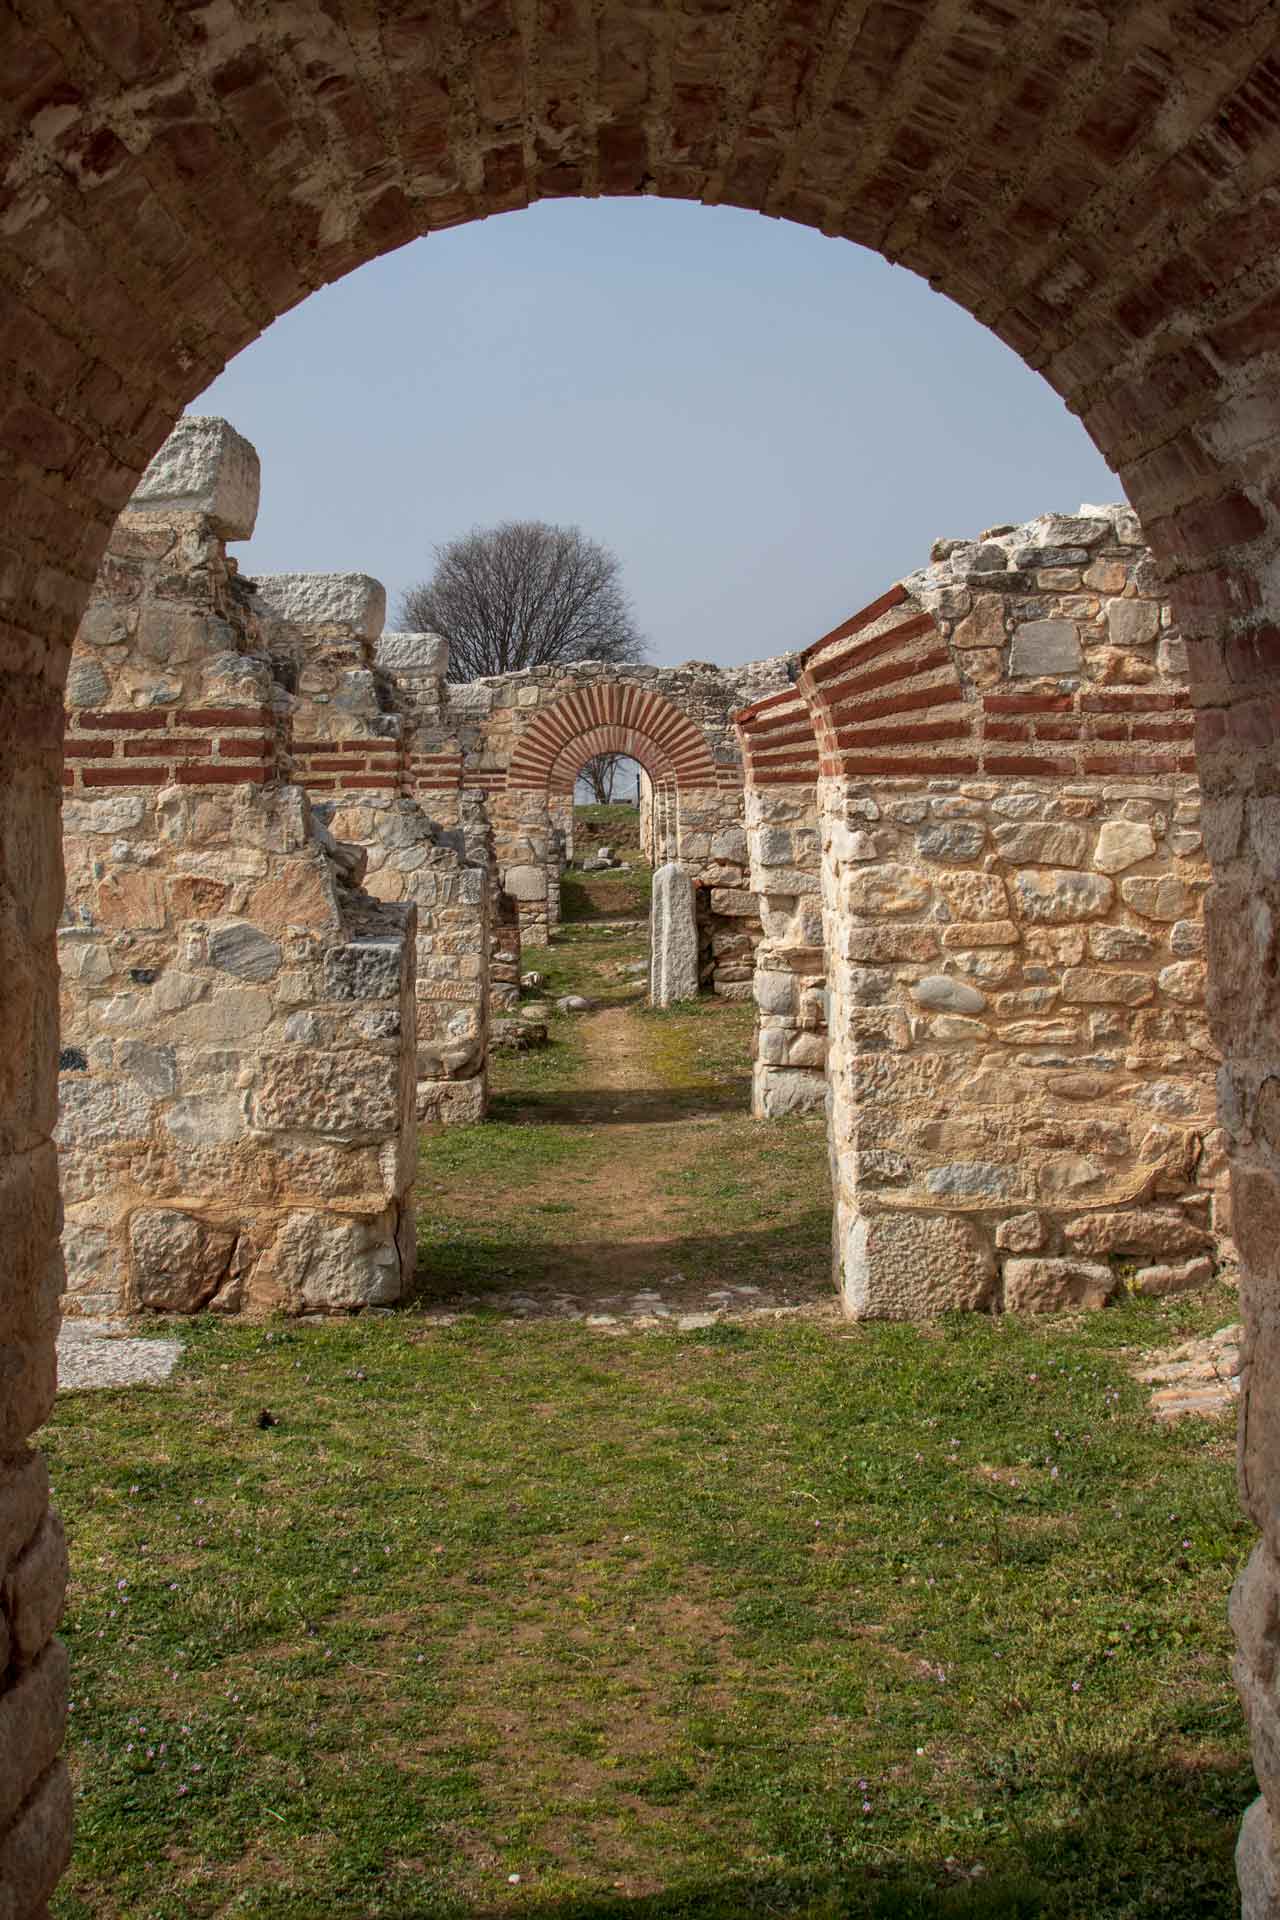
(768, 427)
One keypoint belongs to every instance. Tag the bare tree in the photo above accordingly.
(524, 594)
(600, 775)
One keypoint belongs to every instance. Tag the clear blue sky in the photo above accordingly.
(768, 427)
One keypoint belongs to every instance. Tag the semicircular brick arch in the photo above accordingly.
(1097, 185)
(639, 747)
(885, 694)
(634, 719)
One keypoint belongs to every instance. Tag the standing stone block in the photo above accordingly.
(354, 601)
(673, 959)
(204, 467)
(426, 653)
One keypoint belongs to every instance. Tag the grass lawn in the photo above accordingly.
(791, 1619)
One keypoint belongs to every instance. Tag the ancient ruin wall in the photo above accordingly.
(1022, 1101)
(524, 737)
(789, 982)
(236, 1093)
(363, 702)
(1104, 202)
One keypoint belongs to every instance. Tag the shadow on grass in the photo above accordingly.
(1144, 1838)
(794, 1256)
(625, 1106)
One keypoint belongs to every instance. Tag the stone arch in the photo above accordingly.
(1098, 187)
(611, 717)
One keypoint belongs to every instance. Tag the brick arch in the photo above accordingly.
(1098, 186)
(618, 717)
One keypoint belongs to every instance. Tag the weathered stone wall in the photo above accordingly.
(522, 738)
(236, 1102)
(1022, 1105)
(789, 983)
(1101, 196)
(363, 701)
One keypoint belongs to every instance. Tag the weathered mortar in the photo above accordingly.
(236, 1104)
(363, 701)
(1100, 192)
(1021, 1071)
(520, 739)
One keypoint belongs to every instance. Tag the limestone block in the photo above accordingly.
(337, 1265)
(776, 1092)
(775, 992)
(352, 601)
(1136, 1231)
(364, 970)
(886, 889)
(93, 1113)
(1045, 646)
(176, 1261)
(955, 1027)
(737, 904)
(1121, 844)
(453, 1103)
(413, 653)
(1120, 943)
(955, 841)
(525, 883)
(808, 1050)
(351, 1096)
(204, 467)
(967, 1180)
(1090, 985)
(1021, 1233)
(115, 813)
(673, 934)
(1052, 1286)
(1184, 981)
(1173, 1279)
(1046, 843)
(912, 1266)
(974, 896)
(1156, 897)
(1052, 896)
(979, 933)
(1132, 623)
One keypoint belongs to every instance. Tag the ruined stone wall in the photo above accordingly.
(1103, 200)
(789, 981)
(1022, 1101)
(523, 738)
(364, 703)
(236, 1100)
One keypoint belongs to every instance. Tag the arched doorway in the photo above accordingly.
(1099, 192)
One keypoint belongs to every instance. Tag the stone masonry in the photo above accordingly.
(236, 1121)
(521, 739)
(1099, 189)
(360, 699)
(997, 758)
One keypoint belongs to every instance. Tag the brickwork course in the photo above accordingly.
(1099, 187)
(519, 741)
(975, 828)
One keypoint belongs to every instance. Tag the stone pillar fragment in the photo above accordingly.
(673, 934)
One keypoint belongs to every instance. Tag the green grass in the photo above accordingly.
(761, 1620)
(530, 1622)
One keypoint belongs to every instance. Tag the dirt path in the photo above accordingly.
(662, 1205)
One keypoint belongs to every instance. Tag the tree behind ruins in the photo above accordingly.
(524, 594)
